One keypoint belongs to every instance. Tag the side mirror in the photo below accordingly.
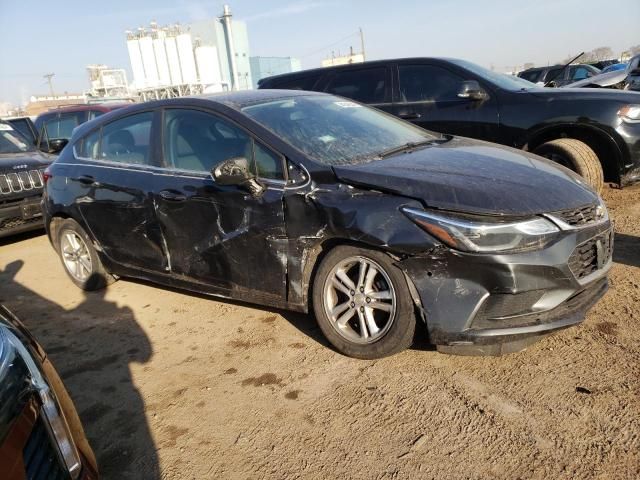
(57, 145)
(471, 90)
(236, 171)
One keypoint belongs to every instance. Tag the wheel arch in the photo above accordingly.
(317, 253)
(601, 142)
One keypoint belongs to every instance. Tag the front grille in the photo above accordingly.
(14, 222)
(40, 456)
(20, 181)
(584, 259)
(578, 217)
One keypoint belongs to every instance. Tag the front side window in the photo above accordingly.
(267, 164)
(335, 131)
(198, 141)
(580, 73)
(127, 140)
(428, 83)
(366, 86)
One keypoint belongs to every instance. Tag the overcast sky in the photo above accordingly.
(39, 37)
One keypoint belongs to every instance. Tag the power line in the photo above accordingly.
(331, 45)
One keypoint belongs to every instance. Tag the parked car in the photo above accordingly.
(54, 128)
(25, 126)
(41, 436)
(614, 67)
(593, 133)
(302, 200)
(619, 79)
(558, 75)
(21, 182)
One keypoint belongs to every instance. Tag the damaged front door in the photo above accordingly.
(222, 237)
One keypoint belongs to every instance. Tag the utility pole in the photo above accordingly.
(362, 44)
(48, 77)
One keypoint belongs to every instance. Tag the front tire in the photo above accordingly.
(362, 303)
(576, 156)
(80, 259)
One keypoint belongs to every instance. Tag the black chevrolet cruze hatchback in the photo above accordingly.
(305, 201)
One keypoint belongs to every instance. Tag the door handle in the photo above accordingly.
(87, 180)
(409, 115)
(172, 196)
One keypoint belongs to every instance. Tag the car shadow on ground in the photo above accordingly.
(19, 237)
(626, 250)
(92, 347)
(305, 323)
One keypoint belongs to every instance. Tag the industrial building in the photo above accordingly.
(263, 67)
(177, 60)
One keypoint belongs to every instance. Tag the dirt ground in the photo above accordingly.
(179, 386)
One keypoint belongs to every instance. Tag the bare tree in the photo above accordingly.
(635, 50)
(602, 53)
(528, 65)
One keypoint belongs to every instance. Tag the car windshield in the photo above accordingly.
(11, 141)
(502, 80)
(336, 131)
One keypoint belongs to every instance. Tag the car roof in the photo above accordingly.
(233, 100)
(369, 63)
(103, 107)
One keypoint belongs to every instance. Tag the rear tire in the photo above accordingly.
(79, 258)
(362, 303)
(577, 156)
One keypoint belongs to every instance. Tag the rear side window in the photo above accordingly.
(554, 74)
(366, 85)
(296, 83)
(128, 140)
(62, 126)
(428, 83)
(532, 77)
(90, 145)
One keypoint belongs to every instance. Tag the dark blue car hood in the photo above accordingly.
(470, 176)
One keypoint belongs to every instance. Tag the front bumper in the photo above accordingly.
(20, 216)
(494, 304)
(630, 134)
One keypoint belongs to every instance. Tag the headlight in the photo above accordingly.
(630, 113)
(482, 235)
(12, 348)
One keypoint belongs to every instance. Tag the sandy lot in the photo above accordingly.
(180, 386)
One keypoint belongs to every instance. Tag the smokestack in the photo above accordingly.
(231, 51)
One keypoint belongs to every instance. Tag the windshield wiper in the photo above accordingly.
(405, 148)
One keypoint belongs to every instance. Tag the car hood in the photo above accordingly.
(14, 162)
(603, 80)
(470, 176)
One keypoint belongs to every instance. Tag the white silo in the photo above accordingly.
(135, 57)
(208, 65)
(164, 77)
(149, 61)
(187, 62)
(173, 60)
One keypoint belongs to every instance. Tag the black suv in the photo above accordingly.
(21, 181)
(559, 75)
(593, 132)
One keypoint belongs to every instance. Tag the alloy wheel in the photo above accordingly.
(360, 300)
(75, 256)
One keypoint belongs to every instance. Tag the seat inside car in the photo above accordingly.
(200, 146)
(121, 146)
